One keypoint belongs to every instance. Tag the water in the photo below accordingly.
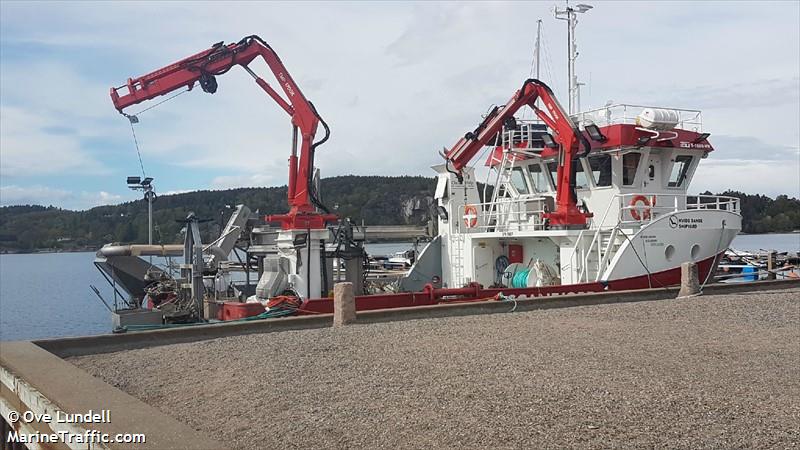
(47, 294)
(755, 242)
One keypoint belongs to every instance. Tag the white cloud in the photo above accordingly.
(26, 149)
(407, 80)
(32, 195)
(175, 192)
(47, 196)
(91, 199)
(234, 181)
(764, 177)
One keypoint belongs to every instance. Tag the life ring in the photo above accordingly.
(470, 216)
(647, 204)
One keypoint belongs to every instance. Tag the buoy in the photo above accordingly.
(646, 211)
(470, 216)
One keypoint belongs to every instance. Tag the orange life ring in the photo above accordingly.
(647, 204)
(470, 216)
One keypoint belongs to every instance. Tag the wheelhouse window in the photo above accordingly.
(552, 167)
(518, 180)
(539, 178)
(679, 170)
(601, 169)
(581, 181)
(630, 164)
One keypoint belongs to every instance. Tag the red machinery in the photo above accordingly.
(565, 143)
(202, 68)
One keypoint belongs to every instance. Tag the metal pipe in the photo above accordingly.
(150, 216)
(308, 263)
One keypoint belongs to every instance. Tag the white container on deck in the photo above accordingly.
(658, 118)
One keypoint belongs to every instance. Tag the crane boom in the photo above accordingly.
(566, 135)
(202, 68)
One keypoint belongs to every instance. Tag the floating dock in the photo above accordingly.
(589, 370)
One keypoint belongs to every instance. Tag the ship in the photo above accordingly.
(574, 201)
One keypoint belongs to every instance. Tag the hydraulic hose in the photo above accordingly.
(312, 195)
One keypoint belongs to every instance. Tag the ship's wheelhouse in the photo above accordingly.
(635, 169)
(634, 172)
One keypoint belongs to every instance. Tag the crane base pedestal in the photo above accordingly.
(572, 219)
(297, 220)
(303, 251)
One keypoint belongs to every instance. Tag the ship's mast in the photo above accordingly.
(538, 48)
(570, 15)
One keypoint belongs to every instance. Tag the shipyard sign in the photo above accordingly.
(684, 222)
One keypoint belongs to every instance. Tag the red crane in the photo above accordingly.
(567, 142)
(202, 68)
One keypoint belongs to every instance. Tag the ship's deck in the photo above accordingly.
(712, 371)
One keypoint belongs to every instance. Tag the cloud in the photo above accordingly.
(764, 177)
(754, 93)
(28, 149)
(47, 196)
(407, 80)
(175, 192)
(748, 148)
(234, 181)
(91, 199)
(32, 195)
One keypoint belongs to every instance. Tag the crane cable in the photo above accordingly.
(134, 118)
(136, 142)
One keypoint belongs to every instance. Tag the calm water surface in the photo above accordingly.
(47, 294)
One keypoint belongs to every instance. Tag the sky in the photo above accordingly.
(396, 82)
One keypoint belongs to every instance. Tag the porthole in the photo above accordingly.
(669, 252)
(695, 251)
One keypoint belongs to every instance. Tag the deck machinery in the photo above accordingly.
(304, 225)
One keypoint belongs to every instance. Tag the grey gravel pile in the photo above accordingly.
(711, 371)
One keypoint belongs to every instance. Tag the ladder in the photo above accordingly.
(596, 257)
(501, 184)
(457, 259)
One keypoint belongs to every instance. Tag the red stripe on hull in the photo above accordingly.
(431, 296)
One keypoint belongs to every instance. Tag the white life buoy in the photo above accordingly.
(470, 216)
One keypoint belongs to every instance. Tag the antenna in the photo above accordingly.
(570, 15)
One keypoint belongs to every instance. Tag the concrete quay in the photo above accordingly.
(635, 368)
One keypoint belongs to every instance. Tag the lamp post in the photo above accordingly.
(570, 15)
(146, 186)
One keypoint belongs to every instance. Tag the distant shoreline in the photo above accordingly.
(48, 251)
(769, 232)
(95, 248)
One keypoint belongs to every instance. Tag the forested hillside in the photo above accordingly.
(376, 200)
(762, 214)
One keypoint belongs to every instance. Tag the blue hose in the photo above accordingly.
(520, 279)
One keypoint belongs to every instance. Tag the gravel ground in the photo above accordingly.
(711, 371)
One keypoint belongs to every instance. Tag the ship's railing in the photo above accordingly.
(723, 202)
(504, 215)
(689, 119)
(632, 214)
(634, 209)
(527, 132)
(646, 207)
